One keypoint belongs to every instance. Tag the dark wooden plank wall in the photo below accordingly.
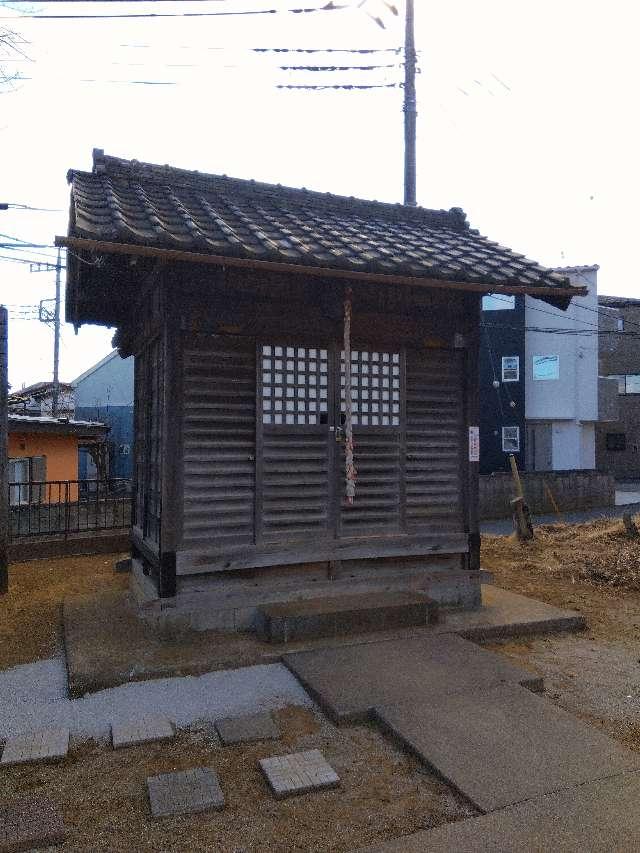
(262, 497)
(219, 442)
(434, 428)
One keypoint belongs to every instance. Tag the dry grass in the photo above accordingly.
(592, 567)
(30, 614)
(384, 794)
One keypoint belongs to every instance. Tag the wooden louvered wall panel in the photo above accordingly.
(376, 508)
(434, 421)
(295, 483)
(219, 437)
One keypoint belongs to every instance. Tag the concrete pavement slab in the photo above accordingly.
(598, 817)
(502, 745)
(349, 681)
(29, 822)
(247, 728)
(185, 792)
(298, 773)
(508, 614)
(145, 729)
(41, 745)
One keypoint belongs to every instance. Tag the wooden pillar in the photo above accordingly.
(172, 453)
(472, 410)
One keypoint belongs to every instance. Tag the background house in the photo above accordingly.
(539, 380)
(37, 400)
(45, 449)
(618, 439)
(561, 379)
(104, 393)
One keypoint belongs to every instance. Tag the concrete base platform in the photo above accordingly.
(349, 681)
(507, 614)
(599, 817)
(503, 745)
(106, 641)
(311, 618)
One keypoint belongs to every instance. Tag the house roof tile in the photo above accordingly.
(125, 201)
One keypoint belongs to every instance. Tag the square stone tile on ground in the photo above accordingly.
(247, 728)
(185, 792)
(40, 745)
(151, 727)
(349, 681)
(502, 745)
(298, 773)
(29, 822)
(599, 817)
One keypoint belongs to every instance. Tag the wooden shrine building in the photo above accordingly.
(239, 301)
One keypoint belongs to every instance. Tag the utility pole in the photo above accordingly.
(4, 462)
(410, 110)
(56, 343)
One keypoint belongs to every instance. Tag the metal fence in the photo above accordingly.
(68, 507)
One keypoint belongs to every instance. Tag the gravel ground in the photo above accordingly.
(595, 679)
(34, 696)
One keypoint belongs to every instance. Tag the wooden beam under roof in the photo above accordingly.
(106, 247)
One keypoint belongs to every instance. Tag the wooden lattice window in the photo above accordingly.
(294, 385)
(375, 387)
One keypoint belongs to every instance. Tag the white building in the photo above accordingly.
(561, 382)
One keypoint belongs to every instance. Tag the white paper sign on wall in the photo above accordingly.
(474, 444)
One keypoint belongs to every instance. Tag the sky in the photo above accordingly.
(526, 120)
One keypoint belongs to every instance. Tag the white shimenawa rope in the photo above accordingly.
(350, 471)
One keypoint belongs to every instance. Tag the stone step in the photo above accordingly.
(311, 618)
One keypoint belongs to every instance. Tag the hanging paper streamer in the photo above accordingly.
(351, 474)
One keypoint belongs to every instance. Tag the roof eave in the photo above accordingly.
(559, 296)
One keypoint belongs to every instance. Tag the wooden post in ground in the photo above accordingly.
(554, 503)
(4, 463)
(630, 525)
(521, 514)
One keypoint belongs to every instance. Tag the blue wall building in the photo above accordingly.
(105, 393)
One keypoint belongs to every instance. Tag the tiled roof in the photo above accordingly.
(124, 201)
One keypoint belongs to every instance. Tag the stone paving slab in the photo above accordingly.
(508, 614)
(348, 681)
(599, 817)
(185, 792)
(40, 745)
(247, 728)
(298, 773)
(151, 727)
(502, 745)
(29, 822)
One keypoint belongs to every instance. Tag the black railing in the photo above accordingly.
(68, 507)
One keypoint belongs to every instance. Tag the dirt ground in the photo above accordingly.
(31, 612)
(593, 568)
(384, 793)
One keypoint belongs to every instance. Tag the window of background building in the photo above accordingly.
(616, 441)
(620, 324)
(511, 439)
(546, 367)
(510, 368)
(498, 302)
(628, 383)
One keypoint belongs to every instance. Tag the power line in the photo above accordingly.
(12, 205)
(341, 86)
(337, 67)
(328, 7)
